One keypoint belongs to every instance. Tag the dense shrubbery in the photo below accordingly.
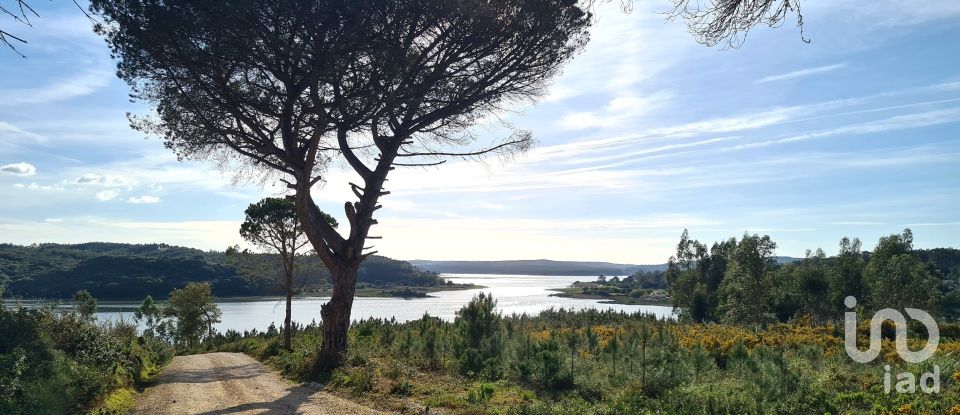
(64, 362)
(594, 362)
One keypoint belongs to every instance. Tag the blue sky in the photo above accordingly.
(644, 134)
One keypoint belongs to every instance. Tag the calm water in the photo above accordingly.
(514, 294)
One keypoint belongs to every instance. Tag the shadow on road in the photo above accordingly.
(289, 404)
(208, 375)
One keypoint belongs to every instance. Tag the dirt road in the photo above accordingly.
(234, 383)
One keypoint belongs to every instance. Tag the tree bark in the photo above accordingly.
(336, 318)
(286, 321)
(342, 256)
(288, 276)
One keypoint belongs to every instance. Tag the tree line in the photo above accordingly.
(739, 282)
(133, 271)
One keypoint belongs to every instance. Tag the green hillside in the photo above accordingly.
(128, 271)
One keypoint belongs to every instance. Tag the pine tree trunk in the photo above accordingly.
(286, 321)
(336, 318)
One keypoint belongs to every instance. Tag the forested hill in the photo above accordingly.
(543, 267)
(128, 271)
(533, 267)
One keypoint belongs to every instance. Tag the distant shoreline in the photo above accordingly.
(386, 291)
(575, 292)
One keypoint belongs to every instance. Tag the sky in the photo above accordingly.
(644, 134)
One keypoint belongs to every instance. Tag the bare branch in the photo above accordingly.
(521, 144)
(5, 38)
(729, 21)
(436, 163)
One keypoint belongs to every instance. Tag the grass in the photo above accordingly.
(118, 402)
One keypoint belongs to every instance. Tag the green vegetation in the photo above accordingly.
(66, 363)
(195, 313)
(740, 282)
(593, 363)
(755, 337)
(643, 287)
(128, 271)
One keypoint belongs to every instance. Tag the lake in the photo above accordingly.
(514, 294)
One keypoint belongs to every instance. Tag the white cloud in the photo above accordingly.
(76, 86)
(622, 54)
(107, 195)
(618, 111)
(802, 73)
(140, 200)
(19, 169)
(880, 14)
(53, 220)
(105, 180)
(488, 205)
(156, 170)
(35, 186)
(9, 131)
(898, 122)
(402, 205)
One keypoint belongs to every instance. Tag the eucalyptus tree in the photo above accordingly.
(845, 275)
(747, 287)
(895, 277)
(285, 87)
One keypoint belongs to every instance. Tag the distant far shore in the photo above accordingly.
(387, 291)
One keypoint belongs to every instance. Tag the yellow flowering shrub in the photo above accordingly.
(719, 339)
(949, 348)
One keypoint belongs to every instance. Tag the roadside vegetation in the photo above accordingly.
(63, 361)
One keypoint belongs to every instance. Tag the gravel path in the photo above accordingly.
(234, 383)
